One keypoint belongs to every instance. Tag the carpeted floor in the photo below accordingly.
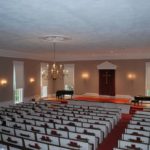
(112, 139)
(103, 99)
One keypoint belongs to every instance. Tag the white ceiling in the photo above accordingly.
(99, 29)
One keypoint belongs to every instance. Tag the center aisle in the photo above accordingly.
(112, 139)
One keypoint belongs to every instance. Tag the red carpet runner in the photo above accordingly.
(112, 139)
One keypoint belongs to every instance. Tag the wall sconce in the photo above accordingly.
(131, 76)
(31, 80)
(3, 82)
(85, 75)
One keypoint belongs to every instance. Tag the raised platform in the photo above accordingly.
(103, 99)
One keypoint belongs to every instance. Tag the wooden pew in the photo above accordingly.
(132, 145)
(137, 132)
(57, 133)
(25, 134)
(135, 138)
(75, 145)
(139, 127)
(26, 121)
(12, 140)
(54, 147)
(7, 130)
(97, 126)
(34, 145)
(84, 137)
(35, 129)
(15, 125)
(65, 127)
(98, 133)
(48, 139)
(143, 123)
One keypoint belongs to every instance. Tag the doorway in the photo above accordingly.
(107, 82)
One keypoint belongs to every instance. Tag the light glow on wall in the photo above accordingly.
(85, 75)
(3, 82)
(131, 76)
(32, 80)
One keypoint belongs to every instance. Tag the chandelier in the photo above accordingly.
(56, 70)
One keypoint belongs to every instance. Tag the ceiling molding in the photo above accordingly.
(35, 56)
(24, 55)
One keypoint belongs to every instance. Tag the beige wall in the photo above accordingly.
(31, 69)
(90, 85)
(6, 70)
(124, 86)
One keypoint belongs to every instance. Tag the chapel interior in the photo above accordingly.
(74, 75)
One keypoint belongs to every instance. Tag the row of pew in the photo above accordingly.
(46, 126)
(137, 133)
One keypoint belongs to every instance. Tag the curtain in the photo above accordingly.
(148, 78)
(69, 77)
(18, 74)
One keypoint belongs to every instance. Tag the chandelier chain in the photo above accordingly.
(54, 48)
(57, 70)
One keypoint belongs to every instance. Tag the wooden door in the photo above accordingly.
(107, 82)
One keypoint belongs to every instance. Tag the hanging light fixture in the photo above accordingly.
(56, 70)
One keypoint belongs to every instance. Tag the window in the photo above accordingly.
(18, 81)
(147, 79)
(69, 77)
(44, 79)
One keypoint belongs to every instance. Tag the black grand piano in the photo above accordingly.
(141, 98)
(61, 93)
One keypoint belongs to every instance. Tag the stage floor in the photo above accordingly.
(103, 99)
(123, 103)
(100, 99)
